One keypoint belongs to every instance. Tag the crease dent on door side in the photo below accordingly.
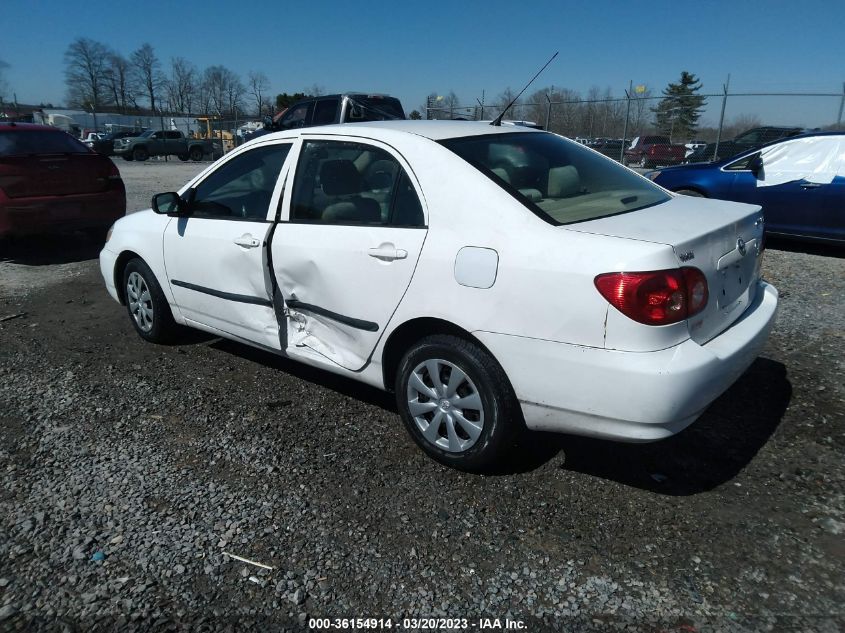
(314, 331)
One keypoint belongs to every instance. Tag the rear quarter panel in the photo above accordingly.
(544, 282)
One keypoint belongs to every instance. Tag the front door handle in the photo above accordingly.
(387, 253)
(247, 241)
(810, 185)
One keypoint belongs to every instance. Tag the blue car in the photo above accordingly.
(799, 182)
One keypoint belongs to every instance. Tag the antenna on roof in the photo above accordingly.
(498, 120)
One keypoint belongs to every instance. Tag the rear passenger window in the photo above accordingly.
(353, 183)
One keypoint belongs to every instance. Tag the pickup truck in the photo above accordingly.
(651, 151)
(162, 143)
(328, 109)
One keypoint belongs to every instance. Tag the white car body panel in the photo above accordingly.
(576, 363)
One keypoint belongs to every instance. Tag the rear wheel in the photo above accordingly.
(196, 153)
(140, 153)
(691, 192)
(148, 309)
(456, 402)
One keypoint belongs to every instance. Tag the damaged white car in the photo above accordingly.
(490, 276)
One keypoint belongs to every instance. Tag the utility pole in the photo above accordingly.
(841, 107)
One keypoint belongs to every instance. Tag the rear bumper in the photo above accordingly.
(629, 396)
(60, 214)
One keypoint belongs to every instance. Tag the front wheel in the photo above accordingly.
(643, 164)
(148, 309)
(140, 154)
(456, 402)
(128, 157)
(184, 157)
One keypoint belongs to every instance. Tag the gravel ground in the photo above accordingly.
(128, 469)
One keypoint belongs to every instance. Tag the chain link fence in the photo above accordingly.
(610, 123)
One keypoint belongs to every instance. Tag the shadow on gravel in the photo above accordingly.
(810, 248)
(341, 384)
(51, 249)
(709, 453)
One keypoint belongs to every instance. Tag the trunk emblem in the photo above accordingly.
(740, 246)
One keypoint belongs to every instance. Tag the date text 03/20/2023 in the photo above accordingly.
(415, 624)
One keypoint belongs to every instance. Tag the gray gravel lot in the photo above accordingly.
(128, 469)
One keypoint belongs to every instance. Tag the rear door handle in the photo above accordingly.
(387, 252)
(247, 241)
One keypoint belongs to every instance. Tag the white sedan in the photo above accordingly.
(492, 277)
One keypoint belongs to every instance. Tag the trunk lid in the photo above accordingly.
(721, 239)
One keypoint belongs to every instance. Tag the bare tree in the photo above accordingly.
(182, 85)
(147, 72)
(316, 90)
(259, 86)
(504, 99)
(86, 62)
(118, 81)
(224, 90)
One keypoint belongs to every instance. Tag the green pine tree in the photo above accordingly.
(678, 112)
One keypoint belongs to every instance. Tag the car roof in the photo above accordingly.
(433, 130)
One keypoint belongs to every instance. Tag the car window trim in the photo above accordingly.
(273, 213)
(342, 138)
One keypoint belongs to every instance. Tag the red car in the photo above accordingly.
(651, 151)
(52, 183)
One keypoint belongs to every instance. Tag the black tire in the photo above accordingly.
(184, 157)
(162, 328)
(643, 164)
(128, 157)
(691, 192)
(500, 417)
(140, 154)
(196, 154)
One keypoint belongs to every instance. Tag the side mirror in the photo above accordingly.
(168, 203)
(755, 165)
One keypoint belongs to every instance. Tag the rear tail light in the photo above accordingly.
(658, 297)
(114, 172)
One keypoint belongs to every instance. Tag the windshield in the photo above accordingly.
(148, 134)
(561, 181)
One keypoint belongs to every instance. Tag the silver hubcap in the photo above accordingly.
(445, 405)
(140, 301)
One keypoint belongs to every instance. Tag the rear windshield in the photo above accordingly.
(561, 181)
(27, 142)
(364, 108)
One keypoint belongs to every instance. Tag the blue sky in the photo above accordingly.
(412, 49)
